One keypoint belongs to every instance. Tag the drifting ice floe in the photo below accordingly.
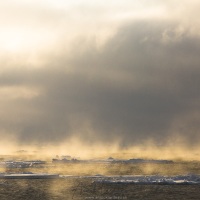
(126, 179)
(69, 159)
(141, 180)
(20, 164)
(153, 179)
(28, 175)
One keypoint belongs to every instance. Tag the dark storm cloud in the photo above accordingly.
(142, 84)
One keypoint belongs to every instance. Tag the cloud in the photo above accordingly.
(142, 84)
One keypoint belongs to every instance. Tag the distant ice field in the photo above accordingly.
(115, 179)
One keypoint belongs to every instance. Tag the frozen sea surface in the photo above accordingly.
(114, 179)
(118, 181)
(153, 179)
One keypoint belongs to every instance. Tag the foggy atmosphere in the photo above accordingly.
(101, 97)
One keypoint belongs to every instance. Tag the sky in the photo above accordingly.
(107, 72)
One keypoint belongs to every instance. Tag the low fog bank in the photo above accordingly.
(79, 150)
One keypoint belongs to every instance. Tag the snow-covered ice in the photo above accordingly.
(20, 164)
(151, 179)
(125, 179)
(141, 179)
(28, 175)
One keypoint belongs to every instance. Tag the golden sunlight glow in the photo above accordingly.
(18, 40)
(12, 42)
(29, 29)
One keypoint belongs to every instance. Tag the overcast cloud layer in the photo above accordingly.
(141, 82)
